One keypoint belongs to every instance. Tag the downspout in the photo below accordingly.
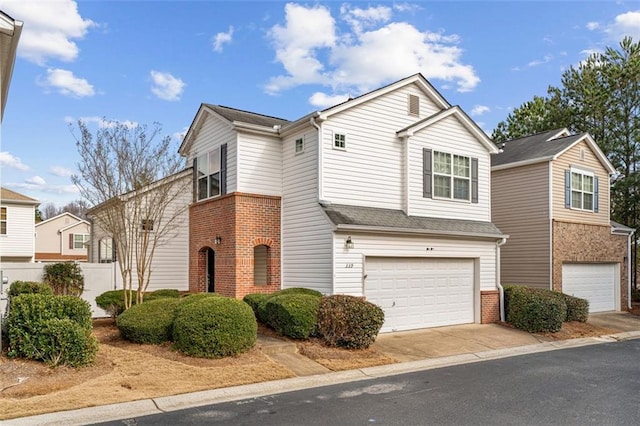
(312, 121)
(629, 269)
(498, 278)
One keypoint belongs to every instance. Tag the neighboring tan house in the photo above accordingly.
(17, 226)
(10, 31)
(62, 237)
(550, 193)
(170, 264)
(385, 196)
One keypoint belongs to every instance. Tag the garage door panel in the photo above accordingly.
(594, 282)
(426, 292)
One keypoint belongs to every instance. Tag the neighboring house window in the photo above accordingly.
(147, 224)
(260, 255)
(77, 241)
(582, 190)
(105, 250)
(340, 141)
(209, 174)
(299, 146)
(3, 221)
(452, 176)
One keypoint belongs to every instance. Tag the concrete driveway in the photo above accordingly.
(622, 321)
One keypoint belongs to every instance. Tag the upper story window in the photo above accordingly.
(80, 240)
(340, 141)
(299, 146)
(3, 221)
(106, 253)
(452, 176)
(449, 176)
(583, 190)
(147, 225)
(209, 174)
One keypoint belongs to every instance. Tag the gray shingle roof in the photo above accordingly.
(233, 114)
(533, 147)
(370, 217)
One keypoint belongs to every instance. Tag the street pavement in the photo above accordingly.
(416, 350)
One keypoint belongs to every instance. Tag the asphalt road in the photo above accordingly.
(597, 385)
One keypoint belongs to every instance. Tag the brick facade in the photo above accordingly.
(242, 222)
(584, 243)
(489, 306)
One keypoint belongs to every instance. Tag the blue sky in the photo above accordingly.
(156, 61)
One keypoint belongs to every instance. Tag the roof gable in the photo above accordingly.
(9, 196)
(461, 116)
(10, 31)
(235, 118)
(417, 79)
(545, 146)
(60, 216)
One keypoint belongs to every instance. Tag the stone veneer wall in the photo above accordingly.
(243, 221)
(584, 243)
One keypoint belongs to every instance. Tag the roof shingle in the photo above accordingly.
(533, 147)
(233, 114)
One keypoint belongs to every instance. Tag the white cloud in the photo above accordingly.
(60, 171)
(479, 110)
(545, 60)
(179, 136)
(36, 180)
(165, 86)
(64, 82)
(102, 122)
(220, 39)
(52, 189)
(9, 160)
(373, 52)
(592, 26)
(50, 28)
(322, 100)
(625, 24)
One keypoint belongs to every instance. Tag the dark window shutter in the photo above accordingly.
(223, 169)
(595, 194)
(567, 189)
(474, 180)
(71, 241)
(195, 179)
(426, 173)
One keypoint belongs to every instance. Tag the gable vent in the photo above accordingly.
(414, 105)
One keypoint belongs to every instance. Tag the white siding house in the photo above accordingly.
(63, 237)
(17, 226)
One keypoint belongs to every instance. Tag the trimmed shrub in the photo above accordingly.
(149, 322)
(29, 329)
(348, 321)
(28, 287)
(64, 341)
(65, 278)
(534, 310)
(577, 308)
(214, 327)
(113, 301)
(258, 302)
(298, 290)
(293, 315)
(165, 292)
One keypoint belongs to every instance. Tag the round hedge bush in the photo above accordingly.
(29, 287)
(258, 302)
(293, 315)
(64, 341)
(112, 301)
(534, 310)
(298, 290)
(348, 321)
(149, 322)
(165, 292)
(214, 327)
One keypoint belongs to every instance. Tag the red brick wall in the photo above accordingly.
(489, 306)
(584, 243)
(242, 221)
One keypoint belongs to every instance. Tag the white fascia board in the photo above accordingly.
(411, 231)
(521, 163)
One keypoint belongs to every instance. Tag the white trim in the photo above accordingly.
(594, 147)
(582, 172)
(550, 187)
(333, 140)
(521, 163)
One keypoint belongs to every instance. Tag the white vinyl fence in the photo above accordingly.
(98, 278)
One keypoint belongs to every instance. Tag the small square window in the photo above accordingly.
(147, 224)
(299, 146)
(340, 141)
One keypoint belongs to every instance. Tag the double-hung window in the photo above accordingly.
(79, 241)
(3, 221)
(582, 191)
(451, 176)
(209, 174)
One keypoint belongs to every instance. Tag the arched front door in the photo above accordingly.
(211, 269)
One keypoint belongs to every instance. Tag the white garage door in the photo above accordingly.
(594, 282)
(419, 293)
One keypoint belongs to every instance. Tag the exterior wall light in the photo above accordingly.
(348, 243)
(218, 239)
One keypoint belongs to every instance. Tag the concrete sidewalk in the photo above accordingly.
(416, 350)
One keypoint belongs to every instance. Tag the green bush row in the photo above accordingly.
(342, 321)
(538, 310)
(113, 301)
(202, 325)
